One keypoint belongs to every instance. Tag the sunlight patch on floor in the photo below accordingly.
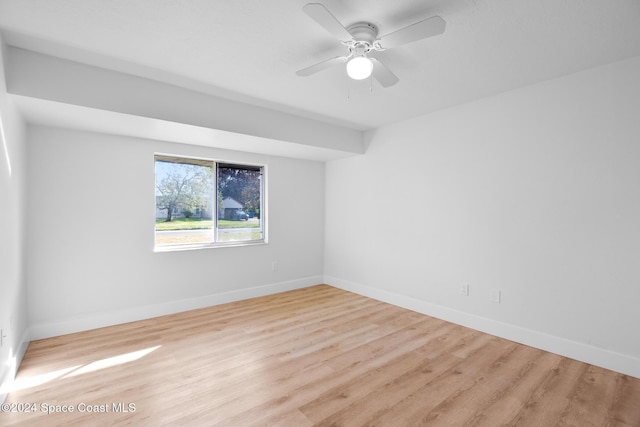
(112, 361)
(23, 382)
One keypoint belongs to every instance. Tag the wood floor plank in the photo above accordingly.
(311, 357)
(309, 390)
(418, 407)
(357, 381)
(594, 395)
(507, 401)
(352, 403)
(491, 386)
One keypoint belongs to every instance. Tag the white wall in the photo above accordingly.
(13, 287)
(90, 239)
(535, 192)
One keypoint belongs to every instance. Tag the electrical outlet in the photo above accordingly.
(496, 296)
(2, 337)
(464, 289)
(274, 266)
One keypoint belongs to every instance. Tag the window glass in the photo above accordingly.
(239, 203)
(203, 202)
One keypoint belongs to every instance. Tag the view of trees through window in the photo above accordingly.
(205, 202)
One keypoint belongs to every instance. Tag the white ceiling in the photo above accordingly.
(249, 50)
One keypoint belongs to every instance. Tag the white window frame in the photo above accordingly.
(215, 243)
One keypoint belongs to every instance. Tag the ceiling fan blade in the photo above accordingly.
(382, 74)
(322, 16)
(320, 66)
(420, 30)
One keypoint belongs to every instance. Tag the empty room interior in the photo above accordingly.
(335, 213)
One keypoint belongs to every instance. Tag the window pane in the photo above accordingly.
(184, 201)
(239, 203)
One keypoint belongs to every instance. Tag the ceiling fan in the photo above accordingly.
(362, 42)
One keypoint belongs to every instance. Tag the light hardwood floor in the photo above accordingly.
(315, 356)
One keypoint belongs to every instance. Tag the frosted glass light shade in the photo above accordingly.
(359, 68)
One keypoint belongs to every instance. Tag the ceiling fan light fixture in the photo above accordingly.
(359, 67)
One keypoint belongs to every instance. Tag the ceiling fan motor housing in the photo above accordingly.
(363, 32)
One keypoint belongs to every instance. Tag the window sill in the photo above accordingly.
(187, 247)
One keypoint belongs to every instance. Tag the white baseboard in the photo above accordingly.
(110, 318)
(607, 359)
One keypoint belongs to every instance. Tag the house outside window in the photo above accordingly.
(203, 203)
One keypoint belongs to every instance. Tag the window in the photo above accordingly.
(202, 203)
